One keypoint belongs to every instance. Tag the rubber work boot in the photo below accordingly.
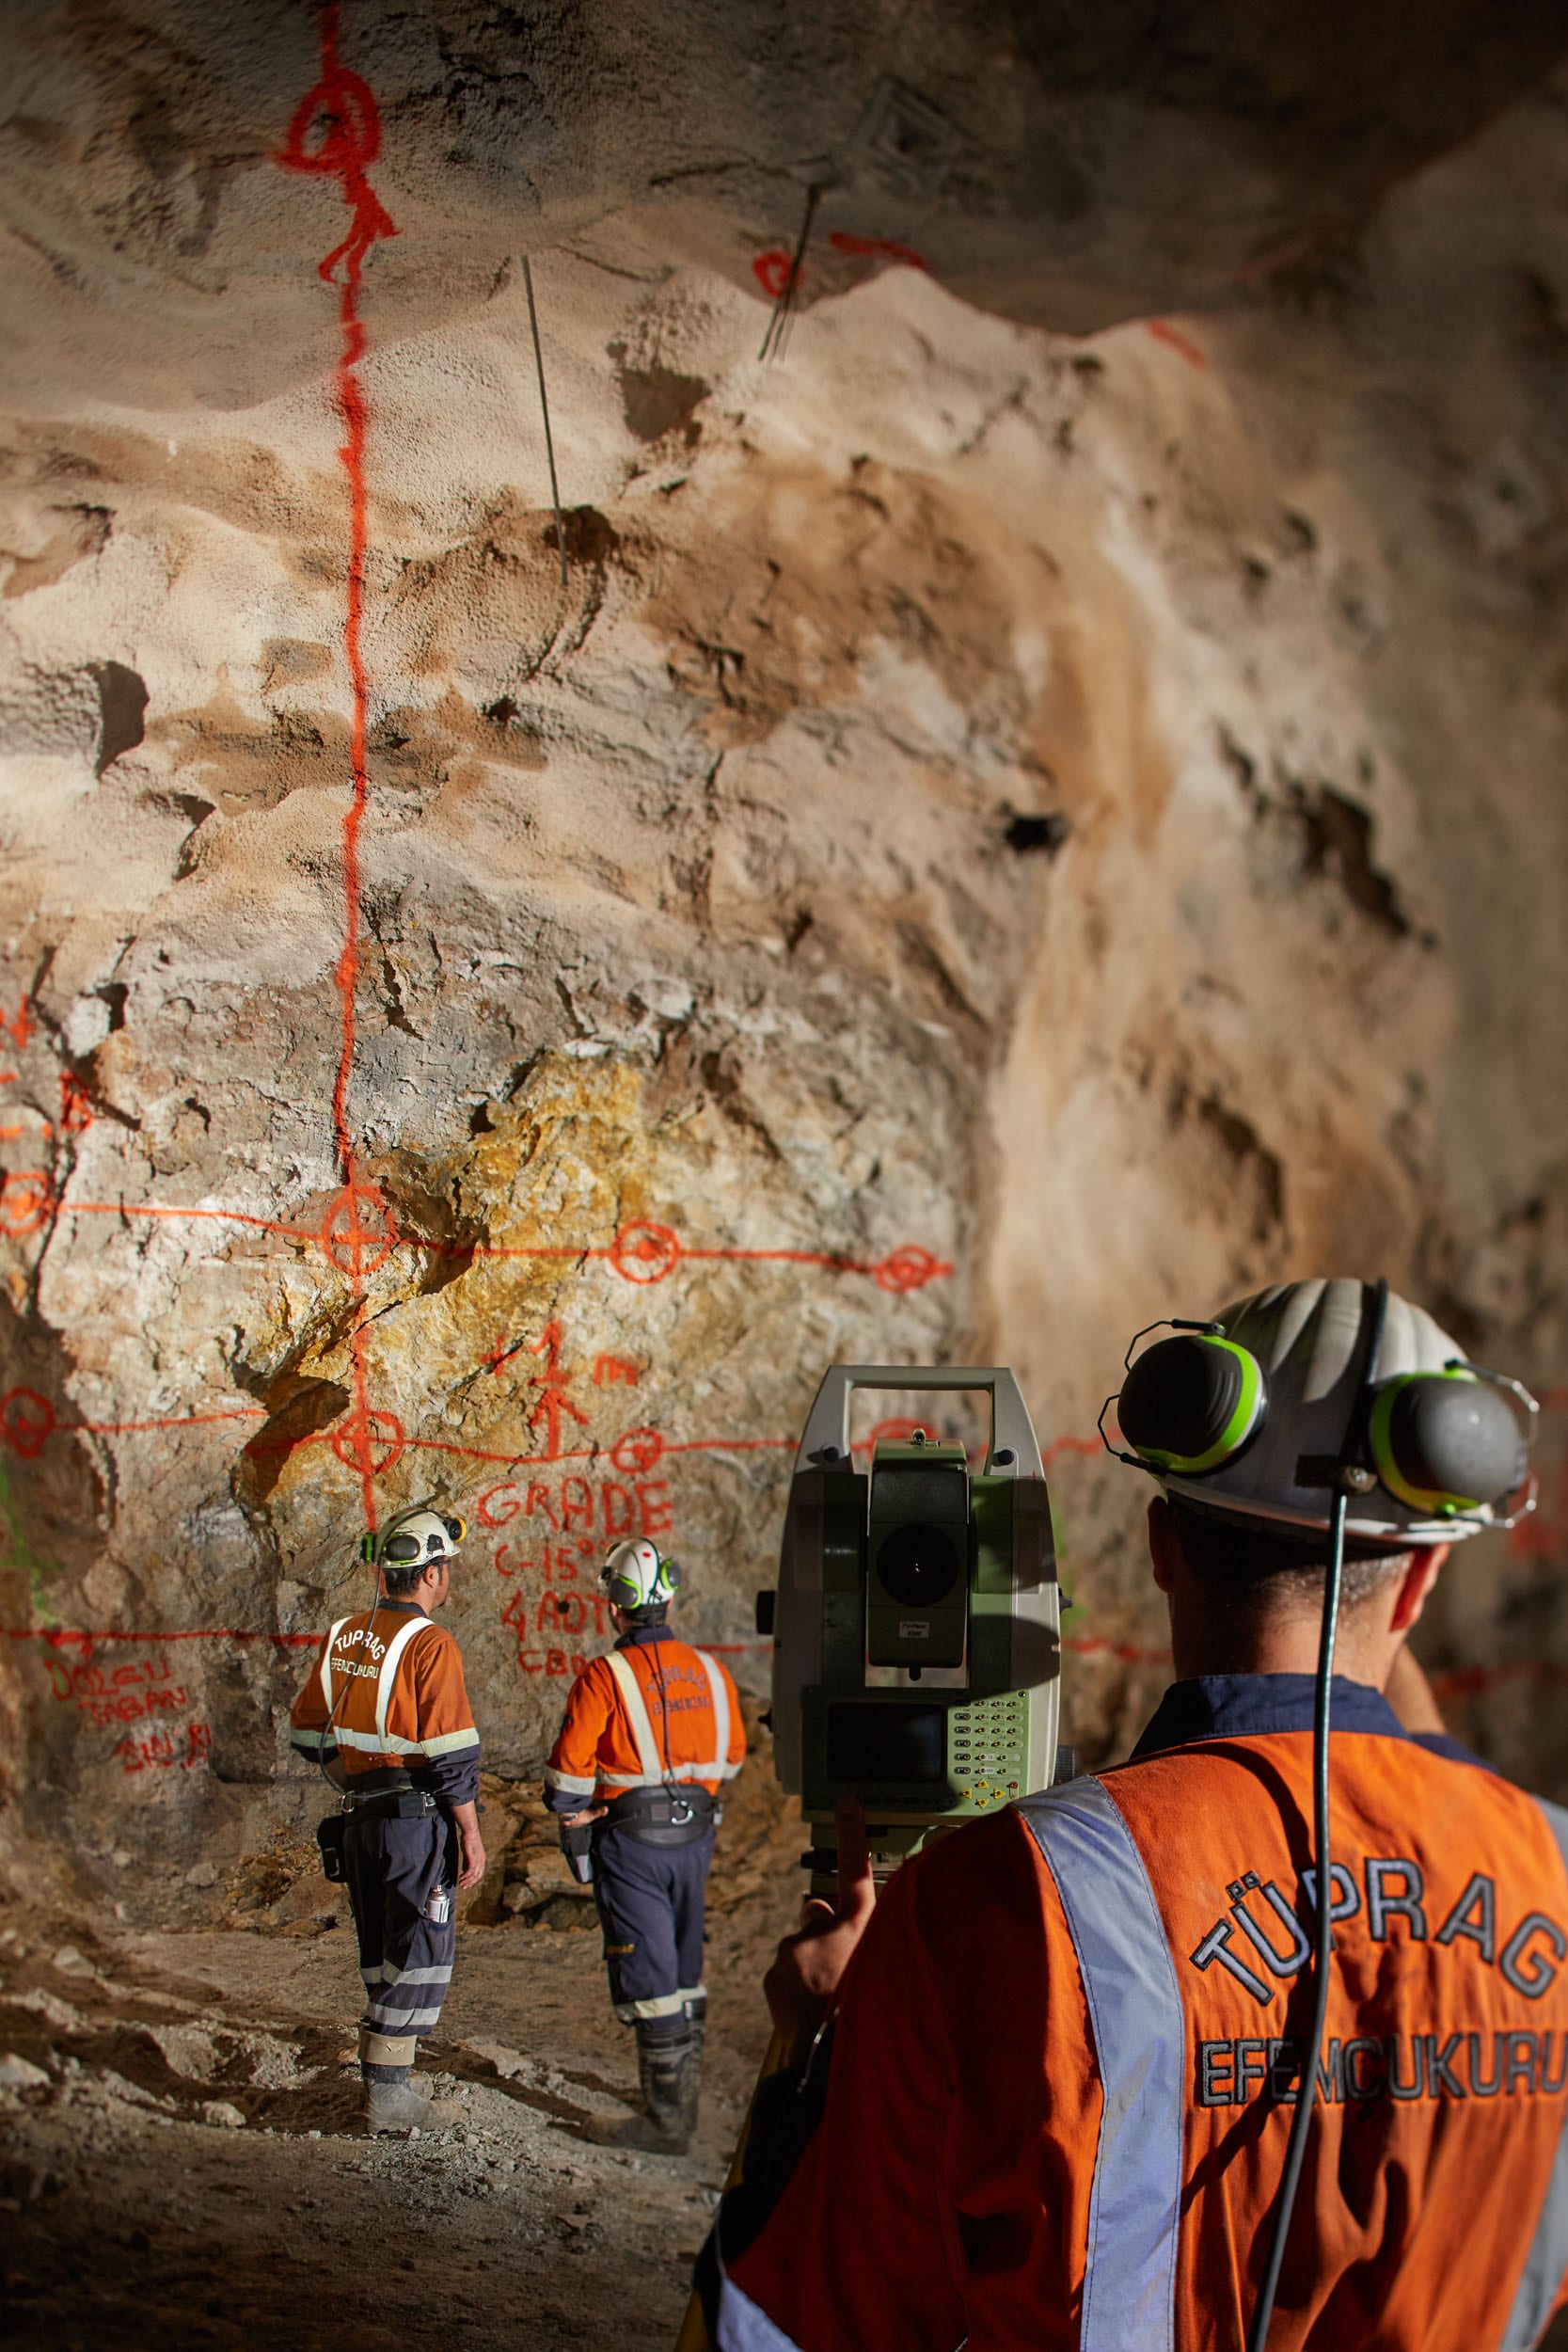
(395, 2100)
(668, 2066)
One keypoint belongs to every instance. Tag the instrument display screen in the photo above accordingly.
(876, 1745)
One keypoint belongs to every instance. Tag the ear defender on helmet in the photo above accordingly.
(636, 1577)
(1445, 1441)
(416, 1534)
(1255, 1423)
(1191, 1403)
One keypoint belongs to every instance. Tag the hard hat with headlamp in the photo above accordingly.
(637, 1576)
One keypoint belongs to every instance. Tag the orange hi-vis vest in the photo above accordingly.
(385, 1697)
(654, 1711)
(1061, 2080)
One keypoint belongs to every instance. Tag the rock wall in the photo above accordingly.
(998, 836)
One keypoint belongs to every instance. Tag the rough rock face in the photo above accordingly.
(999, 837)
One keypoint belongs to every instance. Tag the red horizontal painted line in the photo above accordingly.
(61, 1636)
(732, 1445)
(176, 1420)
(1102, 1646)
(216, 1216)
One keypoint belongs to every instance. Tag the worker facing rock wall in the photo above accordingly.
(996, 839)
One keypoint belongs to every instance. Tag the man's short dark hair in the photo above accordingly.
(399, 1577)
(1262, 1564)
(655, 1614)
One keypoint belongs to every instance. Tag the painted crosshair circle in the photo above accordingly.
(358, 1234)
(644, 1252)
(370, 1441)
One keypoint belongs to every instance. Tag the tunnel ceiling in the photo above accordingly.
(1068, 164)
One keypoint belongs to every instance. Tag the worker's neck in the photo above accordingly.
(1278, 1643)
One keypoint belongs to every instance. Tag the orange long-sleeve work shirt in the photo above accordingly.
(387, 1699)
(655, 1710)
(1063, 2072)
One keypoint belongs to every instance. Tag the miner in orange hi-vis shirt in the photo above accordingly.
(386, 1713)
(651, 1734)
(1040, 2095)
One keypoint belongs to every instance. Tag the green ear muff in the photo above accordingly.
(1191, 1402)
(367, 1551)
(669, 1578)
(1444, 1441)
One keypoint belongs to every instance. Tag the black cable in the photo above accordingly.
(1348, 1471)
(1322, 1961)
(778, 326)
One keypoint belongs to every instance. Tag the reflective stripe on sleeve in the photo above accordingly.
(1139, 2038)
(637, 1713)
(312, 1740)
(388, 1676)
(569, 1783)
(374, 1743)
(1547, 2263)
(447, 1742)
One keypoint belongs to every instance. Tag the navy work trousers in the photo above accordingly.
(394, 1870)
(651, 1900)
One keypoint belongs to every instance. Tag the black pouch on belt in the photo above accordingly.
(329, 1837)
(577, 1847)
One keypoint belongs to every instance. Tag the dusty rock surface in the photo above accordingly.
(1001, 836)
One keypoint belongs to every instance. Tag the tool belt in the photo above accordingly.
(663, 1817)
(392, 1804)
(401, 1804)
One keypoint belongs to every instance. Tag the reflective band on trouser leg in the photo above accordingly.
(1139, 2038)
(1547, 2263)
(637, 1715)
(660, 2005)
(405, 2000)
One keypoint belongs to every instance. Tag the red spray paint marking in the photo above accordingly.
(359, 1239)
(1164, 332)
(335, 133)
(883, 248)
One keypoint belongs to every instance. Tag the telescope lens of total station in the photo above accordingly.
(917, 1566)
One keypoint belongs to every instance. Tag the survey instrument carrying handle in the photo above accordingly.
(1014, 1449)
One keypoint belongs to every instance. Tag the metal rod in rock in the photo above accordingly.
(544, 412)
(778, 326)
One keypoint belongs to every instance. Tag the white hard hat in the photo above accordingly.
(417, 1535)
(635, 1576)
(1251, 1415)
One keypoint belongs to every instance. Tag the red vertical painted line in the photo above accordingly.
(335, 133)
